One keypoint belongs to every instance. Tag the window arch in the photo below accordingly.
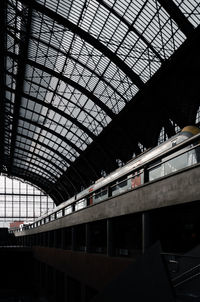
(20, 201)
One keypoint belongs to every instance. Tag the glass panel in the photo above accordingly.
(21, 202)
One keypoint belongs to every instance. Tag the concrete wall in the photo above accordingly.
(92, 269)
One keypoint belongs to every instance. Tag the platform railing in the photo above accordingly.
(182, 268)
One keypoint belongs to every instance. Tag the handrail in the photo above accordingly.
(188, 279)
(185, 274)
(180, 255)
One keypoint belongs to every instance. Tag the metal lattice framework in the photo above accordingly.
(20, 201)
(68, 70)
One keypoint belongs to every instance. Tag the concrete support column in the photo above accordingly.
(65, 287)
(42, 239)
(87, 237)
(73, 234)
(62, 244)
(54, 285)
(54, 238)
(146, 231)
(39, 239)
(83, 293)
(48, 239)
(109, 237)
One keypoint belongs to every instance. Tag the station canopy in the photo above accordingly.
(68, 68)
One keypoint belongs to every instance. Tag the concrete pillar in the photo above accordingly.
(73, 230)
(45, 239)
(83, 292)
(146, 231)
(48, 239)
(54, 239)
(65, 287)
(87, 238)
(109, 237)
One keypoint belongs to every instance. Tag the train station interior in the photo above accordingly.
(100, 150)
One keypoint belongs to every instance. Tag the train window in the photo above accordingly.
(121, 185)
(47, 219)
(52, 217)
(80, 204)
(68, 210)
(122, 182)
(59, 214)
(101, 195)
(172, 165)
(155, 171)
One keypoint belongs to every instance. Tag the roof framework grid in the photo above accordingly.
(71, 67)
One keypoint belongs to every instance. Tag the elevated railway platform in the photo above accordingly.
(93, 245)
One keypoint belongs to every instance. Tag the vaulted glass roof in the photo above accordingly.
(72, 66)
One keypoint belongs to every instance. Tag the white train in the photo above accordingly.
(148, 166)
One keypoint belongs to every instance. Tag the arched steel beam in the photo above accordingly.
(131, 28)
(68, 81)
(62, 139)
(2, 78)
(54, 134)
(72, 83)
(57, 153)
(60, 193)
(68, 100)
(88, 38)
(38, 156)
(46, 160)
(57, 167)
(60, 187)
(55, 109)
(39, 183)
(68, 55)
(59, 95)
(65, 115)
(175, 13)
(23, 53)
(35, 176)
(37, 166)
(65, 178)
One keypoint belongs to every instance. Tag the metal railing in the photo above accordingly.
(178, 262)
(186, 276)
